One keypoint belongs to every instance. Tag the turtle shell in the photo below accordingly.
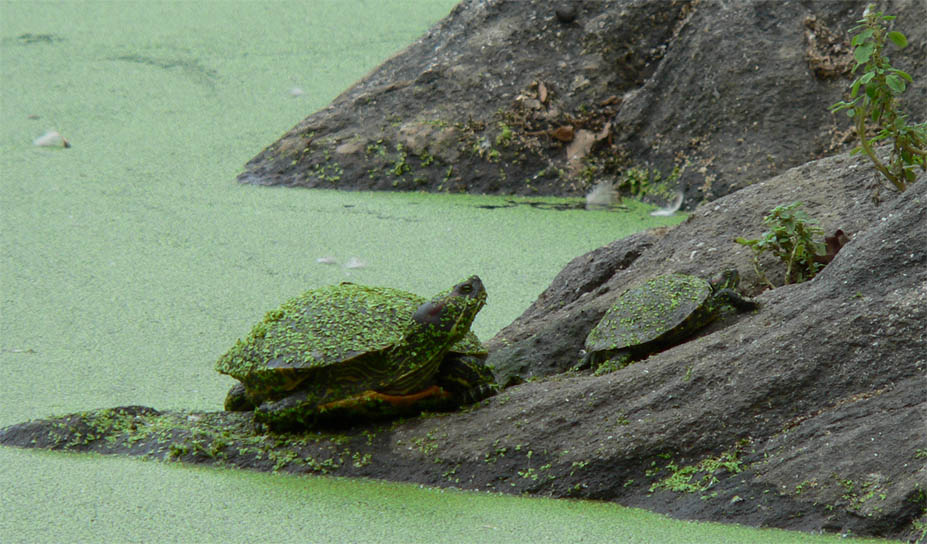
(323, 328)
(649, 313)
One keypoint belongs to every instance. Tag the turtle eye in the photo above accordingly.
(466, 288)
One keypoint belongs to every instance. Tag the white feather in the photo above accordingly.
(671, 209)
(51, 138)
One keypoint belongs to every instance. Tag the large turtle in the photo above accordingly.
(661, 313)
(349, 352)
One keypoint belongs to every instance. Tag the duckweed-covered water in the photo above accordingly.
(132, 260)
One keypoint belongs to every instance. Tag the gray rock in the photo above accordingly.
(738, 91)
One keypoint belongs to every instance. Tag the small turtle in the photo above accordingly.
(659, 314)
(350, 352)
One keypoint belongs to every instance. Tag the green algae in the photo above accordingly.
(221, 505)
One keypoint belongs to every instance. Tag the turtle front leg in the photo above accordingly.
(735, 299)
(466, 378)
(603, 362)
(620, 360)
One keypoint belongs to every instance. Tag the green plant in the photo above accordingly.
(505, 135)
(791, 239)
(640, 182)
(882, 84)
(700, 476)
(400, 166)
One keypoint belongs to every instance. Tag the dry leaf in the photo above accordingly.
(564, 133)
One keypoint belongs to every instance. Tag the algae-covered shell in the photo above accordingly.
(647, 312)
(324, 327)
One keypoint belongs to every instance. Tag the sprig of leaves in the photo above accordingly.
(790, 238)
(881, 85)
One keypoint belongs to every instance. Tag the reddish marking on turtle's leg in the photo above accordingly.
(399, 401)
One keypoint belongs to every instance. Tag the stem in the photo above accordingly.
(759, 273)
(788, 268)
(864, 143)
(922, 153)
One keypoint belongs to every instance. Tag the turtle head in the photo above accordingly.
(729, 279)
(453, 311)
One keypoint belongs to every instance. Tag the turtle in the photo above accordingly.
(351, 352)
(658, 314)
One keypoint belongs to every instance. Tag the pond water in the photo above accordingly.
(132, 260)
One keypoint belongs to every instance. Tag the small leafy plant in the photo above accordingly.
(790, 238)
(881, 84)
(639, 182)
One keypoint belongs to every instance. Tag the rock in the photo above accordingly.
(736, 91)
(566, 12)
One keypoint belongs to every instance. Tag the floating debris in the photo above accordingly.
(327, 260)
(51, 138)
(18, 350)
(671, 209)
(354, 262)
(296, 91)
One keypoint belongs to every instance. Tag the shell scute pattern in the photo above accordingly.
(644, 313)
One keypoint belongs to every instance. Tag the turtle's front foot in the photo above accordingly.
(737, 300)
(477, 393)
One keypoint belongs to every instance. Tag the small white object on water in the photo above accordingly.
(602, 195)
(354, 262)
(327, 260)
(671, 209)
(51, 138)
(296, 91)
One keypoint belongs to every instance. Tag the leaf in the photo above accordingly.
(863, 53)
(854, 90)
(902, 74)
(898, 38)
(861, 38)
(895, 83)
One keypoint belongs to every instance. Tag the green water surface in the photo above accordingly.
(132, 260)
